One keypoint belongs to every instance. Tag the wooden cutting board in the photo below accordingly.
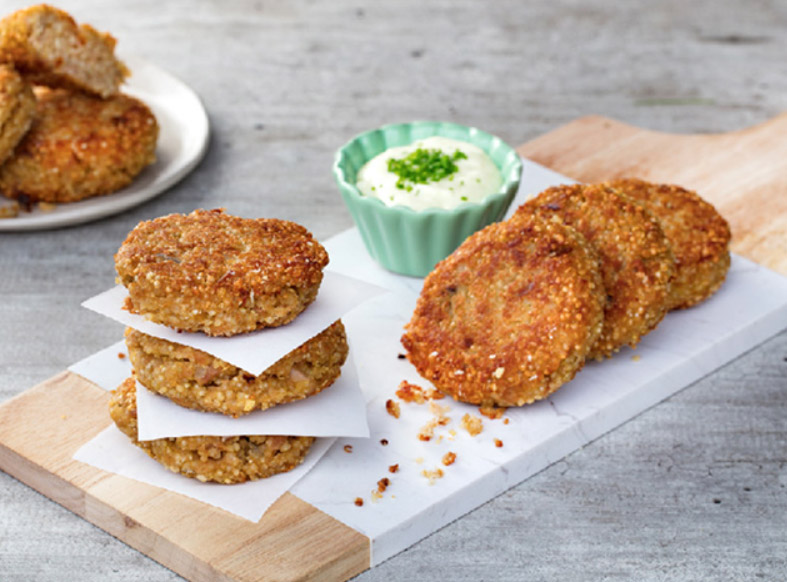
(743, 173)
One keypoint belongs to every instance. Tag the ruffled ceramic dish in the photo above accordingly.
(412, 242)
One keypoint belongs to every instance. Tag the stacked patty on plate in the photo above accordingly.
(66, 131)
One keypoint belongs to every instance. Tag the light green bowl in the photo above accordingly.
(412, 242)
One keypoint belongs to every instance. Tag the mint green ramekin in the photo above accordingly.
(412, 242)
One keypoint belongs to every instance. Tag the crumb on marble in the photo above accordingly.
(392, 408)
(433, 475)
(472, 424)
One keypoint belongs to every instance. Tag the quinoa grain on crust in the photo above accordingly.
(509, 316)
(48, 47)
(698, 234)
(197, 380)
(80, 146)
(220, 274)
(17, 109)
(224, 460)
(637, 264)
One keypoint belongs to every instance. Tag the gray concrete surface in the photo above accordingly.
(693, 489)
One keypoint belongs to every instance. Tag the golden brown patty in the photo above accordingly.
(510, 315)
(195, 379)
(635, 258)
(48, 48)
(211, 458)
(80, 146)
(698, 234)
(220, 274)
(17, 109)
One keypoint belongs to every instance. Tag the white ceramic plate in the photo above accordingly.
(183, 140)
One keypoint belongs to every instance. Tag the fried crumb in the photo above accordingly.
(439, 419)
(636, 358)
(392, 408)
(376, 496)
(409, 392)
(401, 356)
(433, 475)
(10, 210)
(472, 424)
(384, 442)
(394, 468)
(506, 421)
(449, 458)
(383, 484)
(498, 443)
(348, 448)
(121, 356)
(358, 501)
(46, 206)
(492, 412)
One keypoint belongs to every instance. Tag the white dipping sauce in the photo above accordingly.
(476, 177)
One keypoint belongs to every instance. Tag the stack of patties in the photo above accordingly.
(577, 272)
(66, 131)
(221, 275)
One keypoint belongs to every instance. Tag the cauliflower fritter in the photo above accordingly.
(224, 460)
(80, 146)
(48, 48)
(698, 234)
(17, 109)
(197, 380)
(508, 317)
(220, 274)
(637, 264)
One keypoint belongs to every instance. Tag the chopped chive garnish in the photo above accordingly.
(423, 166)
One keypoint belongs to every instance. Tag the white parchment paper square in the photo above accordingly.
(113, 452)
(256, 351)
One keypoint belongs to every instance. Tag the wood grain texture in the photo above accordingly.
(743, 173)
(41, 429)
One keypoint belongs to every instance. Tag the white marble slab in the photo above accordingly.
(750, 307)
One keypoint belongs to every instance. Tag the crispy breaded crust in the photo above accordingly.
(698, 234)
(17, 109)
(80, 146)
(636, 261)
(48, 47)
(220, 274)
(510, 315)
(197, 380)
(211, 458)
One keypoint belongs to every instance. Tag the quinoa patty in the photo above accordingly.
(211, 458)
(509, 316)
(698, 234)
(17, 109)
(220, 274)
(195, 379)
(80, 146)
(48, 47)
(636, 261)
